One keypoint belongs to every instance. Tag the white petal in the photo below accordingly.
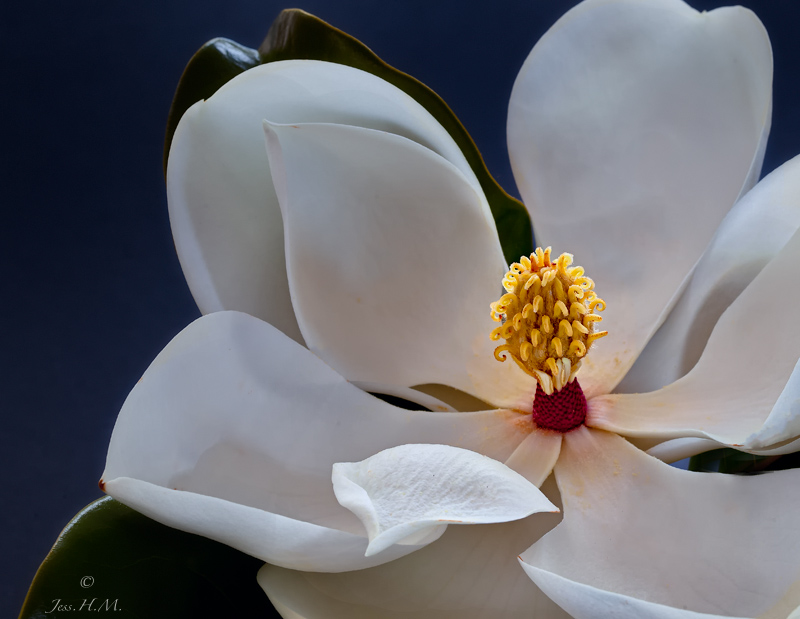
(636, 527)
(282, 541)
(586, 602)
(411, 395)
(469, 573)
(234, 410)
(393, 261)
(536, 456)
(676, 449)
(786, 447)
(403, 492)
(680, 448)
(757, 227)
(633, 127)
(224, 212)
(744, 389)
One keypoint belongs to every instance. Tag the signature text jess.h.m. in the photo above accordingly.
(90, 605)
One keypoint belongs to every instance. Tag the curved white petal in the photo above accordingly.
(586, 602)
(636, 527)
(633, 127)
(680, 448)
(469, 573)
(234, 410)
(757, 227)
(536, 456)
(288, 542)
(780, 449)
(393, 260)
(401, 493)
(745, 389)
(424, 400)
(676, 449)
(223, 209)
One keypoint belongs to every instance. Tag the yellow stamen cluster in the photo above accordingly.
(549, 316)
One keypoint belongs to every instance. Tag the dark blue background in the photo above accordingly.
(92, 289)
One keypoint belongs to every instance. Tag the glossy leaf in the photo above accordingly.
(110, 558)
(212, 66)
(741, 463)
(296, 34)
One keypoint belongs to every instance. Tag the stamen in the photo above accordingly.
(499, 350)
(576, 293)
(576, 326)
(577, 309)
(594, 337)
(527, 311)
(549, 313)
(577, 348)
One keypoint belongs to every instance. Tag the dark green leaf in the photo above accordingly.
(296, 34)
(214, 64)
(741, 463)
(147, 569)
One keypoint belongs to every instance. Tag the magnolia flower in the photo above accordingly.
(360, 255)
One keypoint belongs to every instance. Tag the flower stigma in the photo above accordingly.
(548, 316)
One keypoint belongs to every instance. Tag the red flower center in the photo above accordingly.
(561, 411)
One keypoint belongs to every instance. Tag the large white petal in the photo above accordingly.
(757, 227)
(633, 127)
(234, 410)
(401, 493)
(393, 260)
(638, 528)
(745, 389)
(224, 212)
(469, 573)
(283, 541)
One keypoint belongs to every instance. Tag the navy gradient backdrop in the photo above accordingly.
(92, 289)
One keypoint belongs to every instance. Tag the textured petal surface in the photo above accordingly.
(745, 389)
(757, 227)
(469, 573)
(234, 410)
(224, 212)
(393, 260)
(401, 493)
(636, 527)
(633, 127)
